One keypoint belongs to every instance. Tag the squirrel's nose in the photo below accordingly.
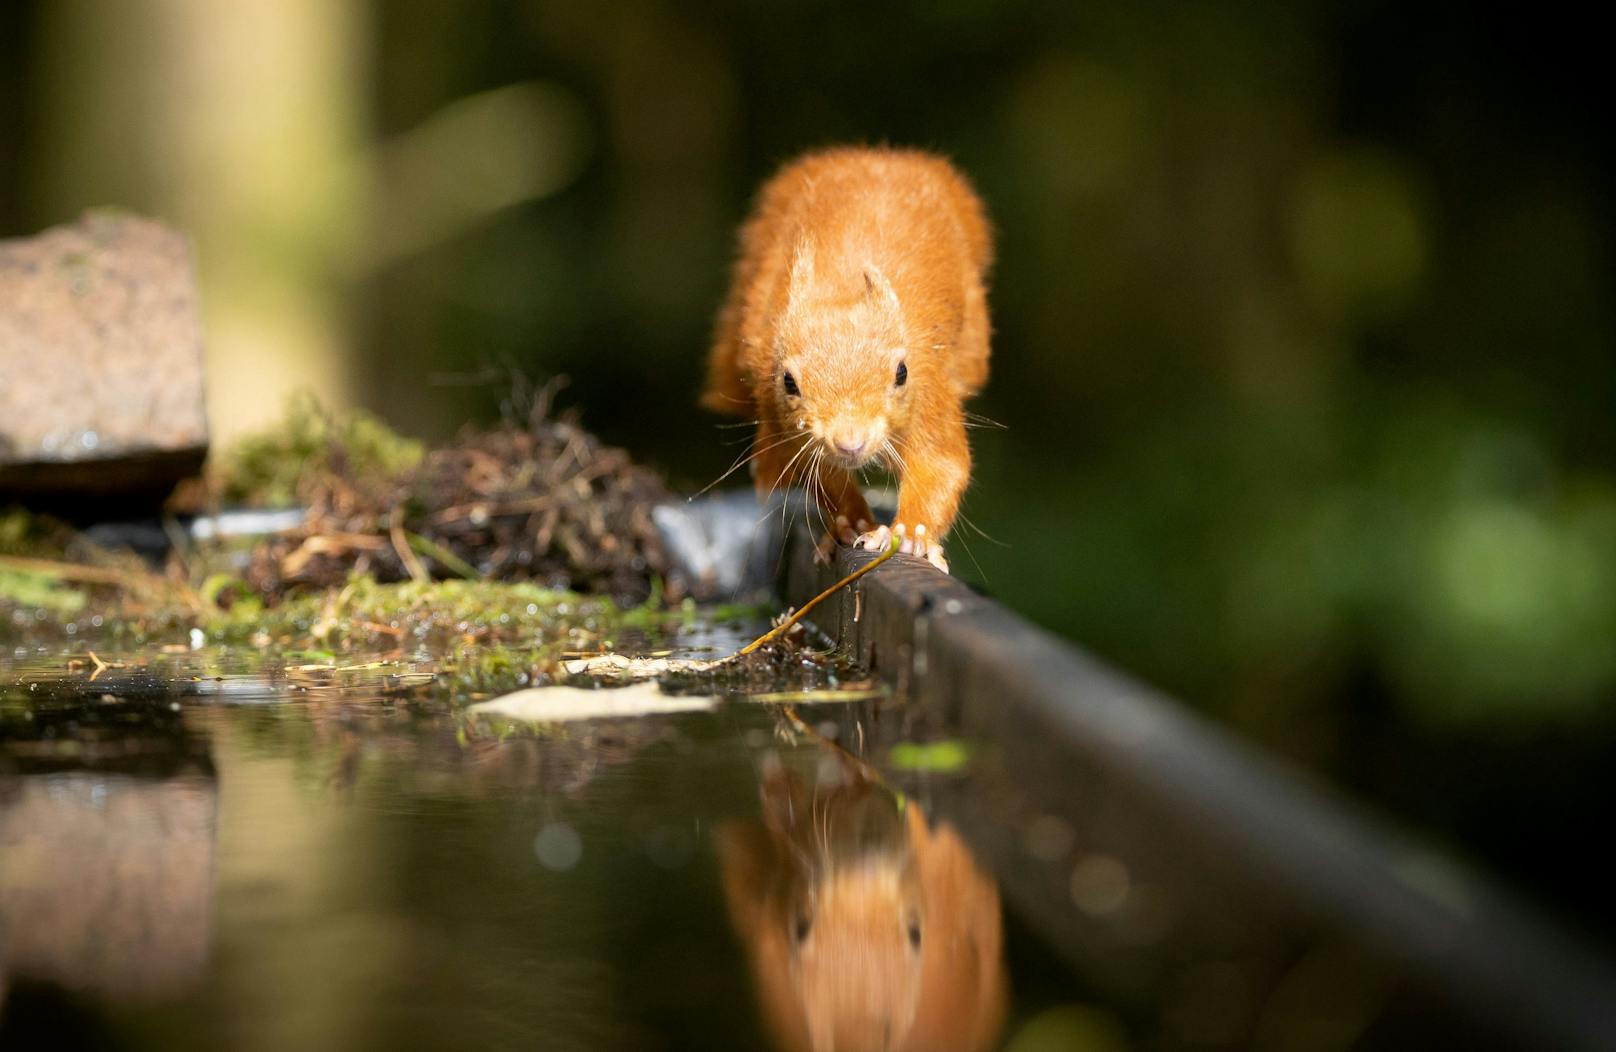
(851, 449)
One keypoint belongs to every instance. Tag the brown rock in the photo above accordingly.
(101, 376)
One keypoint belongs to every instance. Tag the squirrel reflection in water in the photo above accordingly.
(865, 927)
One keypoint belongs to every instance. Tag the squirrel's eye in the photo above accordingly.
(903, 375)
(790, 383)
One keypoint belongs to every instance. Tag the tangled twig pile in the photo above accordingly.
(542, 501)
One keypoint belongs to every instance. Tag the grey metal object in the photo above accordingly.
(1185, 874)
(246, 522)
(152, 537)
(726, 544)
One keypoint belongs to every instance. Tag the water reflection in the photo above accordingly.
(107, 847)
(865, 927)
(260, 857)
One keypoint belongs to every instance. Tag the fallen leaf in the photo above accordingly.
(557, 704)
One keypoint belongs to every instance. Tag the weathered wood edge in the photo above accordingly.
(1190, 800)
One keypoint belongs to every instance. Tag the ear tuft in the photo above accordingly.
(877, 285)
(802, 271)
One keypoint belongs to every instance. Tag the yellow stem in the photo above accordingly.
(782, 627)
(69, 571)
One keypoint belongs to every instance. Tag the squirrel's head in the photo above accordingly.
(866, 929)
(841, 364)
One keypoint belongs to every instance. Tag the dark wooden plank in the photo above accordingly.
(1185, 868)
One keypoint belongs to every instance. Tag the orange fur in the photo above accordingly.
(829, 894)
(853, 262)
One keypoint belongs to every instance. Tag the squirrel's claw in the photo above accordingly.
(910, 542)
(916, 542)
(875, 540)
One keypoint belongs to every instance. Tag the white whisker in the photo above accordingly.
(784, 476)
(741, 462)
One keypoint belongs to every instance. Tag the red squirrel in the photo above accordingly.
(855, 327)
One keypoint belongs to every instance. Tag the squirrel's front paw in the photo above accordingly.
(876, 540)
(910, 542)
(916, 542)
(841, 533)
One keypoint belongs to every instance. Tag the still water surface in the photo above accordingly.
(230, 852)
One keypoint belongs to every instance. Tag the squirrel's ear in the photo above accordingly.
(802, 270)
(785, 801)
(877, 285)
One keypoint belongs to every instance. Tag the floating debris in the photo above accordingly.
(564, 703)
(819, 697)
(941, 757)
(610, 667)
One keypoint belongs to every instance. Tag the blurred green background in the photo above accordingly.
(1304, 329)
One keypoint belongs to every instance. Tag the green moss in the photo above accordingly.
(471, 638)
(25, 537)
(363, 607)
(40, 591)
(15, 527)
(271, 469)
(320, 460)
(25, 534)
